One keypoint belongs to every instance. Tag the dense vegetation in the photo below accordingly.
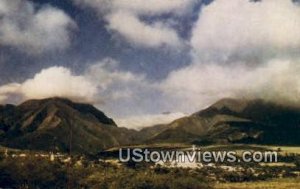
(29, 169)
(31, 172)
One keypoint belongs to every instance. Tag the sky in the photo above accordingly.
(149, 62)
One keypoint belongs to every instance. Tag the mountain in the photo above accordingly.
(232, 121)
(58, 124)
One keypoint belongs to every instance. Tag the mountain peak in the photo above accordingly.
(39, 102)
(67, 105)
(236, 105)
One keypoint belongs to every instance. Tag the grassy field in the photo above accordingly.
(236, 147)
(290, 183)
(285, 149)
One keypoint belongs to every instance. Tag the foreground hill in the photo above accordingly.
(232, 121)
(59, 124)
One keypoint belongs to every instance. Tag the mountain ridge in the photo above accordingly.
(58, 124)
(55, 123)
(234, 121)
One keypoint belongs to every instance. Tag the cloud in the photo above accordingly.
(140, 33)
(142, 121)
(198, 86)
(242, 28)
(102, 81)
(60, 82)
(113, 83)
(240, 49)
(125, 19)
(52, 82)
(34, 30)
(124, 93)
(107, 71)
(8, 90)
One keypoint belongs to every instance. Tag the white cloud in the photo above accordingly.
(60, 82)
(107, 73)
(8, 90)
(236, 27)
(146, 120)
(140, 33)
(240, 49)
(124, 18)
(114, 84)
(34, 30)
(197, 86)
(52, 82)
(102, 81)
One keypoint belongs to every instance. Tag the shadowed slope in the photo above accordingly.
(59, 124)
(234, 121)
